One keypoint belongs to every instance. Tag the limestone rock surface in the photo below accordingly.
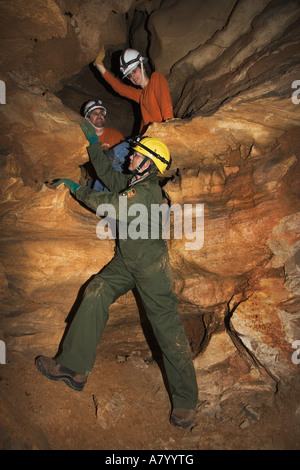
(235, 153)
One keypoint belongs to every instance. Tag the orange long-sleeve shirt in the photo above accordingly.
(154, 100)
(111, 137)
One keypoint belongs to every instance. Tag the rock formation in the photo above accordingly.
(233, 69)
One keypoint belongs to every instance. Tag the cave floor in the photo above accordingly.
(125, 406)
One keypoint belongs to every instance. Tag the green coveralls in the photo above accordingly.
(139, 263)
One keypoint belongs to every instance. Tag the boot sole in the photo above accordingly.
(180, 423)
(78, 386)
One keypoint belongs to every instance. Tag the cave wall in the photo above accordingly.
(234, 147)
(43, 42)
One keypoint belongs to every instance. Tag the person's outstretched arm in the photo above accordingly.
(124, 90)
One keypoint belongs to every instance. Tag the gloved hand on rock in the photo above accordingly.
(89, 131)
(172, 119)
(71, 185)
(100, 57)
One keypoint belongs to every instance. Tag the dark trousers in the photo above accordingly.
(155, 289)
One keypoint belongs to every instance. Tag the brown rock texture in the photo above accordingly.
(235, 151)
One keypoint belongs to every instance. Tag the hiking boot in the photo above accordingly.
(54, 371)
(182, 418)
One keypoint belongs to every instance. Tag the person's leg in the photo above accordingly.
(80, 345)
(121, 151)
(97, 185)
(156, 291)
(116, 156)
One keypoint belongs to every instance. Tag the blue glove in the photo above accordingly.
(89, 132)
(69, 183)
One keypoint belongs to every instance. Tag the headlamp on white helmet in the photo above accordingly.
(130, 59)
(91, 106)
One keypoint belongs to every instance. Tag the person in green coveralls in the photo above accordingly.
(141, 263)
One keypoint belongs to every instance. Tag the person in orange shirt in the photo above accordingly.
(95, 113)
(153, 94)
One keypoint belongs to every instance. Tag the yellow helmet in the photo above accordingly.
(154, 149)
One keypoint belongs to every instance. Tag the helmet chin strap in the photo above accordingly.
(137, 171)
(143, 74)
(96, 127)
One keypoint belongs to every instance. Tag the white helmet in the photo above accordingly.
(91, 105)
(129, 61)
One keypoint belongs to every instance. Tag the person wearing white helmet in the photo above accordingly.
(95, 113)
(153, 93)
